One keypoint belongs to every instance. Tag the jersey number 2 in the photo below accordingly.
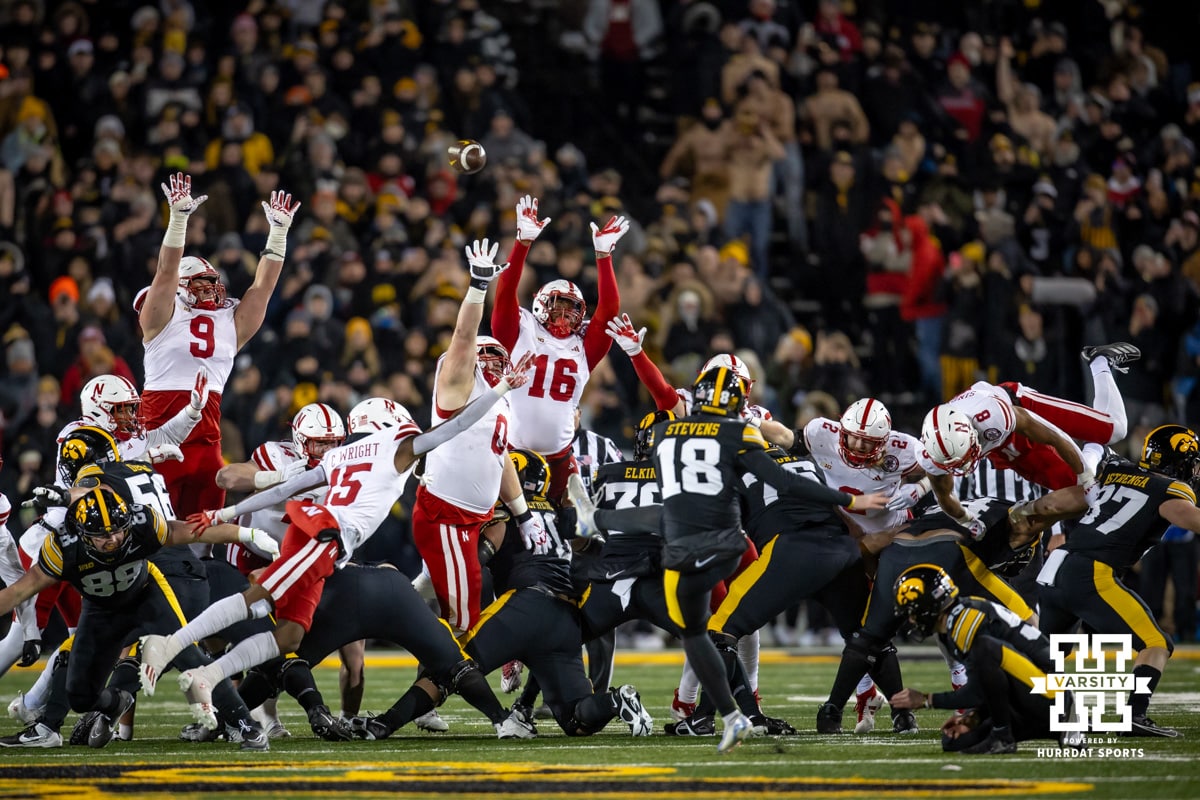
(562, 379)
(205, 344)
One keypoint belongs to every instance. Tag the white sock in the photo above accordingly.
(124, 732)
(747, 647)
(689, 684)
(424, 586)
(729, 719)
(214, 619)
(10, 648)
(36, 696)
(864, 686)
(1108, 399)
(258, 649)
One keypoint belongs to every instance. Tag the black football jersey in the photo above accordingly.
(767, 511)
(696, 462)
(972, 617)
(514, 567)
(63, 556)
(1125, 523)
(628, 484)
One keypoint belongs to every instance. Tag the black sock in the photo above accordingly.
(415, 702)
(529, 694)
(1140, 703)
(886, 672)
(853, 666)
(297, 680)
(473, 687)
(56, 699)
(256, 688)
(710, 669)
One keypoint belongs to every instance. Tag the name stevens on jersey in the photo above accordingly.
(1139, 481)
(693, 429)
(640, 473)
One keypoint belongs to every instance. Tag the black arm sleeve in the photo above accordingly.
(766, 470)
(646, 519)
(799, 446)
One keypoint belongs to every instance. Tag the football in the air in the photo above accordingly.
(467, 156)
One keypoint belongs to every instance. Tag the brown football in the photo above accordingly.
(467, 156)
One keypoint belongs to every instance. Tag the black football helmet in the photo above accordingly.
(643, 438)
(921, 594)
(85, 445)
(533, 471)
(1174, 451)
(98, 515)
(719, 391)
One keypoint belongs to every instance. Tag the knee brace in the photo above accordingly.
(290, 664)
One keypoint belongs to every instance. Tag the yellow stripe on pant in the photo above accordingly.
(1126, 604)
(1004, 594)
(161, 581)
(1021, 668)
(670, 591)
(487, 614)
(741, 587)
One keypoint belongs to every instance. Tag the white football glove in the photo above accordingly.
(281, 210)
(199, 396)
(47, 497)
(179, 194)
(906, 496)
(536, 540)
(270, 477)
(529, 227)
(606, 238)
(164, 452)
(622, 332)
(259, 539)
(481, 261)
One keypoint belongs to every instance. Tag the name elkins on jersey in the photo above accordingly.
(1139, 481)
(693, 429)
(349, 452)
(640, 473)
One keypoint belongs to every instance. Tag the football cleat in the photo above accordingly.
(702, 725)
(36, 735)
(195, 732)
(993, 745)
(19, 711)
(736, 731)
(328, 727)
(585, 509)
(517, 725)
(369, 728)
(83, 729)
(771, 726)
(1118, 354)
(155, 653)
(104, 726)
(904, 723)
(254, 738)
(865, 707)
(681, 710)
(198, 685)
(829, 719)
(510, 676)
(632, 712)
(432, 721)
(1144, 726)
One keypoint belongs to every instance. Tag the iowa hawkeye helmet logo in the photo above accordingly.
(909, 591)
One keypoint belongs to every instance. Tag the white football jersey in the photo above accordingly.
(272, 456)
(991, 412)
(192, 339)
(364, 484)
(466, 470)
(544, 408)
(899, 459)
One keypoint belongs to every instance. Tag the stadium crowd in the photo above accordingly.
(875, 198)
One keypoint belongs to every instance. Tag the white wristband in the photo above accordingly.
(193, 412)
(268, 477)
(176, 233)
(277, 241)
(517, 505)
(475, 295)
(245, 534)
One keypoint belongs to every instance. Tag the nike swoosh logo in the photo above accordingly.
(608, 576)
(702, 563)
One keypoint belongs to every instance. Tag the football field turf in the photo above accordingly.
(469, 761)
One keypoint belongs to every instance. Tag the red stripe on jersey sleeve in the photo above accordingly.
(262, 458)
(406, 431)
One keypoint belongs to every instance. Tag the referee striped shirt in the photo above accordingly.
(1003, 484)
(593, 451)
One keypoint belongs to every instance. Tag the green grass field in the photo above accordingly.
(469, 762)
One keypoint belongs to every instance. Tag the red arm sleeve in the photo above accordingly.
(652, 378)
(608, 305)
(506, 314)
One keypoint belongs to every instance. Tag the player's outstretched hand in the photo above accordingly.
(517, 376)
(203, 520)
(873, 501)
(534, 535)
(281, 210)
(178, 191)
(199, 396)
(164, 452)
(481, 262)
(260, 539)
(529, 227)
(47, 497)
(625, 335)
(906, 496)
(606, 238)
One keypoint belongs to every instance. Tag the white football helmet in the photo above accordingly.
(493, 358)
(205, 295)
(317, 428)
(375, 414)
(112, 403)
(950, 440)
(734, 364)
(559, 306)
(867, 420)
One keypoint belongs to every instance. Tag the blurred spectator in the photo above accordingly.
(830, 104)
(95, 358)
(688, 321)
(836, 369)
(752, 151)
